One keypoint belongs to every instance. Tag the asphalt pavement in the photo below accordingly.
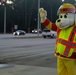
(12, 36)
(12, 69)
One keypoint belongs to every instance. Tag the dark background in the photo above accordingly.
(25, 13)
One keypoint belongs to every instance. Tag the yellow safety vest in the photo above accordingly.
(66, 41)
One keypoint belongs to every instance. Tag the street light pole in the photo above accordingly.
(5, 3)
(75, 3)
(38, 18)
(5, 19)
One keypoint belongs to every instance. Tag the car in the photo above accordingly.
(19, 32)
(48, 33)
(36, 31)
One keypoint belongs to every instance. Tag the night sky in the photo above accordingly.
(25, 13)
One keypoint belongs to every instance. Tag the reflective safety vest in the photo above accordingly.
(66, 42)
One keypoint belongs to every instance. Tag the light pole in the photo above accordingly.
(75, 3)
(5, 19)
(38, 18)
(5, 3)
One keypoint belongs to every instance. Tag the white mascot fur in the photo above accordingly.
(65, 27)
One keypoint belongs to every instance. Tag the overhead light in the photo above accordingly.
(9, 2)
(0, 3)
(62, 0)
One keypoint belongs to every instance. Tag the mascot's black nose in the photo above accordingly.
(58, 20)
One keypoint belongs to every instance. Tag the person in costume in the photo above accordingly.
(65, 27)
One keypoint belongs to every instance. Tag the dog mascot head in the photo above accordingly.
(67, 16)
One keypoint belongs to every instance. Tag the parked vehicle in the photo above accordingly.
(48, 33)
(19, 32)
(35, 31)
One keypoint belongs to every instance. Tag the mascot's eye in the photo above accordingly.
(61, 16)
(65, 16)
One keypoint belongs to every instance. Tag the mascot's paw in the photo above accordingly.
(43, 14)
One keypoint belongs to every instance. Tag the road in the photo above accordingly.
(29, 51)
(11, 35)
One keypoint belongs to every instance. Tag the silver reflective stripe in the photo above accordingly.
(66, 53)
(66, 43)
(68, 46)
(72, 34)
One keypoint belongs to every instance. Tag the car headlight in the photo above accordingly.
(18, 33)
(32, 30)
(13, 33)
(35, 31)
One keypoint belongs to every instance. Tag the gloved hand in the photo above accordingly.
(43, 14)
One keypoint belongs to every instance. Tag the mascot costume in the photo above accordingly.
(65, 27)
